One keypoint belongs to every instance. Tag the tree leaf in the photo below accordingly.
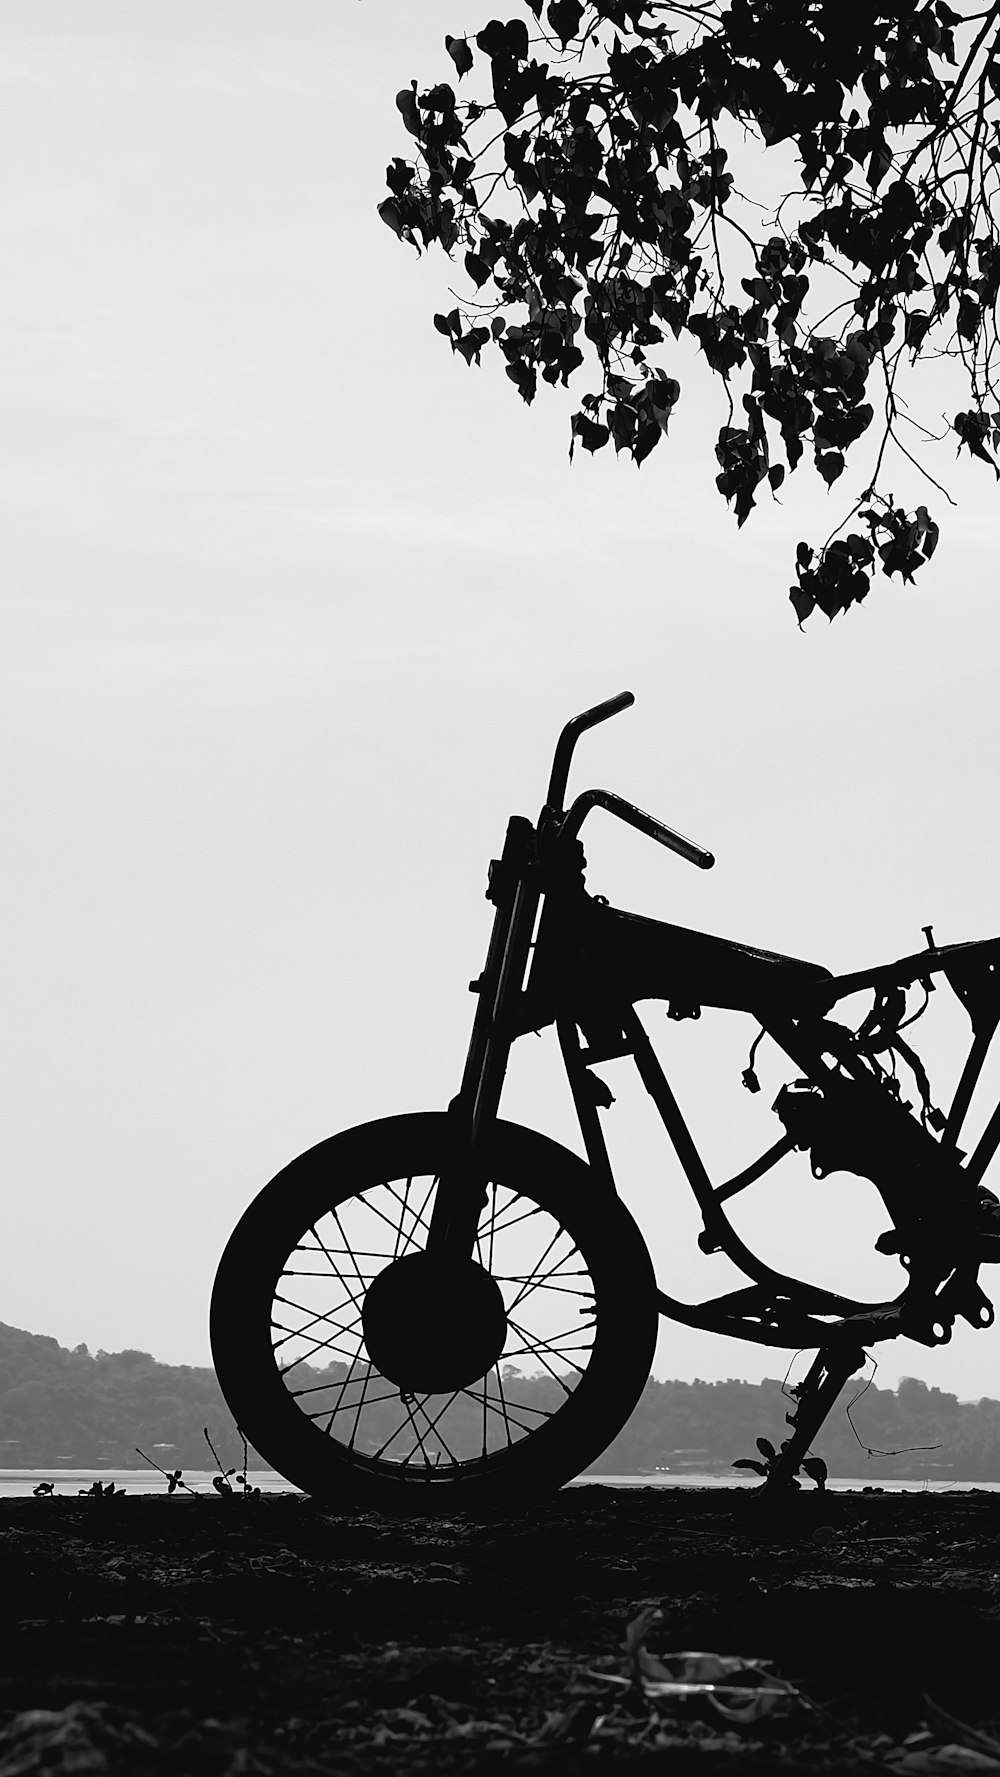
(646, 439)
(525, 379)
(504, 42)
(803, 603)
(927, 531)
(878, 165)
(564, 17)
(592, 436)
(816, 1469)
(830, 464)
(469, 345)
(406, 105)
(972, 429)
(477, 269)
(661, 395)
(460, 53)
(392, 215)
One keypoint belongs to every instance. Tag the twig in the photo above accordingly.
(167, 1476)
(223, 1472)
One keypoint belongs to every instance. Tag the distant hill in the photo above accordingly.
(913, 1432)
(82, 1410)
(75, 1408)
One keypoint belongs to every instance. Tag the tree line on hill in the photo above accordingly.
(73, 1408)
(61, 1408)
(912, 1432)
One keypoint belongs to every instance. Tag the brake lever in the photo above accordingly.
(634, 817)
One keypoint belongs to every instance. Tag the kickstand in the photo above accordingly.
(828, 1372)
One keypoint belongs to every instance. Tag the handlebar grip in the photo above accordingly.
(686, 848)
(569, 737)
(638, 818)
(601, 711)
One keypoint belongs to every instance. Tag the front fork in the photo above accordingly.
(515, 890)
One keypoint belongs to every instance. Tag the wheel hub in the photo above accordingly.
(433, 1326)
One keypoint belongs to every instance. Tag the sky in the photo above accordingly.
(294, 606)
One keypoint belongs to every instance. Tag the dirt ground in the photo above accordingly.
(205, 1635)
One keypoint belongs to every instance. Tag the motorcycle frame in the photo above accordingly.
(537, 866)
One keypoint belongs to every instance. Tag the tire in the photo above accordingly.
(289, 1345)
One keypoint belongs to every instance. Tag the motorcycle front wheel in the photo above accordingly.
(504, 1379)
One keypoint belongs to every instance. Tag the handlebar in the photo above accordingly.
(636, 817)
(568, 739)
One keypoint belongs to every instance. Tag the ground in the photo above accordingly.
(272, 1635)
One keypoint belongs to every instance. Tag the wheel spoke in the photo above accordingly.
(554, 1341)
(543, 1283)
(356, 1252)
(418, 1215)
(359, 1411)
(335, 1409)
(322, 1247)
(485, 1402)
(404, 1201)
(330, 1254)
(525, 1216)
(294, 1271)
(503, 1406)
(507, 1412)
(326, 1318)
(408, 1410)
(493, 1232)
(432, 1424)
(348, 1248)
(529, 1285)
(304, 1332)
(374, 1400)
(318, 1345)
(388, 1220)
(537, 1350)
(532, 1350)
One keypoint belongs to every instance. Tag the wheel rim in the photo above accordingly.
(318, 1340)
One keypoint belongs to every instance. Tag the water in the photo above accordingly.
(841, 1485)
(15, 1483)
(19, 1483)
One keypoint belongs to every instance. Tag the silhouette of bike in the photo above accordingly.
(448, 1308)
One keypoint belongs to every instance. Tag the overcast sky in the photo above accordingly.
(294, 608)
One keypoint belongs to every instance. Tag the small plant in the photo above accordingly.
(101, 1490)
(813, 1466)
(226, 1483)
(228, 1480)
(173, 1477)
(44, 1490)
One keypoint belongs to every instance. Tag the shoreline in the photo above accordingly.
(70, 1483)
